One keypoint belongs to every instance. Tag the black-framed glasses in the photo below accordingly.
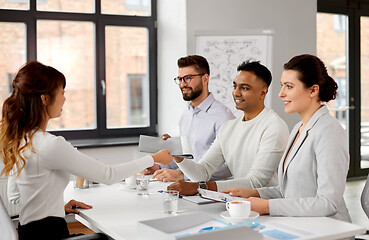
(187, 78)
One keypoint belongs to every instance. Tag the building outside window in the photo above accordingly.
(343, 44)
(105, 49)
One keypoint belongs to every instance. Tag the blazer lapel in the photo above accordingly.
(296, 147)
(321, 111)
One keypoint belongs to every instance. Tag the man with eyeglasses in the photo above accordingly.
(251, 145)
(201, 120)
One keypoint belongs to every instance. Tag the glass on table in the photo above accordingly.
(170, 201)
(81, 183)
(142, 185)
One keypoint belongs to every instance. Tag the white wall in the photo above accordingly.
(172, 44)
(294, 25)
(292, 21)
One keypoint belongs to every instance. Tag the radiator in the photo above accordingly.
(11, 208)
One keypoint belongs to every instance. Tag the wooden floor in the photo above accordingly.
(77, 227)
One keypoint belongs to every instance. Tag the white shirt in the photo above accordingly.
(252, 150)
(40, 186)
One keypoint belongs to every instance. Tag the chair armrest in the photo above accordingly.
(100, 236)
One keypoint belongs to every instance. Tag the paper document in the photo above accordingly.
(197, 199)
(280, 231)
(207, 226)
(217, 196)
(178, 146)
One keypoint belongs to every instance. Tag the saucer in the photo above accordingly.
(253, 215)
(128, 187)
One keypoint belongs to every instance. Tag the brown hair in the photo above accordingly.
(313, 71)
(23, 112)
(200, 63)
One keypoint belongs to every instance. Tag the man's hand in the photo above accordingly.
(184, 188)
(163, 157)
(151, 170)
(71, 206)
(165, 136)
(168, 175)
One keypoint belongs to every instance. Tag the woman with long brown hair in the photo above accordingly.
(38, 163)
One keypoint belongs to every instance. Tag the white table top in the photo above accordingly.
(117, 209)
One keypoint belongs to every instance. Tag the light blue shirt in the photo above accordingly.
(200, 125)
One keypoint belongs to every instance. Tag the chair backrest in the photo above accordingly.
(7, 229)
(365, 197)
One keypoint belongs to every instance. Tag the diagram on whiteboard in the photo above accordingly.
(224, 54)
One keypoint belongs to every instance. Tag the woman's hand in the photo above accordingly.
(163, 157)
(71, 206)
(241, 192)
(259, 205)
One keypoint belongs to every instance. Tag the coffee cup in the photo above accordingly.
(131, 181)
(239, 209)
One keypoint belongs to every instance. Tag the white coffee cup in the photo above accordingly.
(239, 209)
(131, 181)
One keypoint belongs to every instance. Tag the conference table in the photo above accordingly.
(118, 208)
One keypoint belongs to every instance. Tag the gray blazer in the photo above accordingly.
(314, 180)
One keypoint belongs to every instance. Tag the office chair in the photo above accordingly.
(365, 205)
(365, 197)
(7, 228)
(9, 232)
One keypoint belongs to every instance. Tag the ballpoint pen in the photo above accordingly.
(162, 191)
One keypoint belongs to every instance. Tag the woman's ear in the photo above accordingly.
(44, 99)
(314, 90)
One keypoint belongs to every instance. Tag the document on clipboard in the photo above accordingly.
(198, 199)
(178, 146)
(217, 196)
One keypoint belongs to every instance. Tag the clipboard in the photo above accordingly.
(217, 196)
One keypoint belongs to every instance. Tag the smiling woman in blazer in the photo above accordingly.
(312, 172)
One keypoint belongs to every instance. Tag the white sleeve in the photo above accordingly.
(207, 166)
(61, 155)
(13, 192)
(272, 145)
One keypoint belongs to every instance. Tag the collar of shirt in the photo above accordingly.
(203, 106)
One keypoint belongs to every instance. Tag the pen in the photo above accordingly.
(162, 191)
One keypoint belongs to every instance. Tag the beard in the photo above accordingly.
(193, 94)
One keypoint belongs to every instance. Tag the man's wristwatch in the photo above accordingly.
(203, 185)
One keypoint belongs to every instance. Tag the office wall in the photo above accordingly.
(293, 23)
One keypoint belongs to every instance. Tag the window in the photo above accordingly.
(137, 104)
(342, 43)
(108, 58)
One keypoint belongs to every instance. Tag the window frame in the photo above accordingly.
(30, 17)
(353, 9)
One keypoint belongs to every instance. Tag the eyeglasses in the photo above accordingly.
(187, 78)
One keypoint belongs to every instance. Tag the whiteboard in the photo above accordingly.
(225, 52)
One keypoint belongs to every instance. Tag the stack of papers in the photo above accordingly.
(178, 146)
(218, 196)
(198, 199)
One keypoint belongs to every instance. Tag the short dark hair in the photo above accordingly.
(258, 69)
(200, 63)
(313, 71)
